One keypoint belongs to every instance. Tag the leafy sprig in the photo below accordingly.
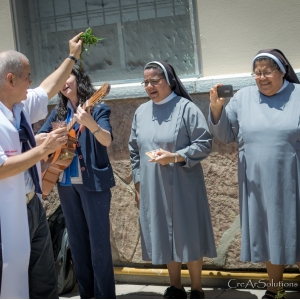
(88, 39)
(281, 294)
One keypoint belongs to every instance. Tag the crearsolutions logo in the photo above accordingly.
(260, 284)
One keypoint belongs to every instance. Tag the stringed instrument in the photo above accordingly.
(54, 164)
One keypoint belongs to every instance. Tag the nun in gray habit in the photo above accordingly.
(174, 212)
(264, 121)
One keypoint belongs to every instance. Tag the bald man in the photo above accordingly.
(27, 256)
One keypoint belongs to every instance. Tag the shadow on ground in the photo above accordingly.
(213, 294)
(141, 295)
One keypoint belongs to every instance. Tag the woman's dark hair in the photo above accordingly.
(268, 59)
(85, 90)
(161, 72)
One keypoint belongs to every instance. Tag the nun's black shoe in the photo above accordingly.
(195, 294)
(269, 295)
(173, 293)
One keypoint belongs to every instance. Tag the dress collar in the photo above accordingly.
(167, 99)
(285, 84)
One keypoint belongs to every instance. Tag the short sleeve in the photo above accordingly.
(36, 104)
(101, 115)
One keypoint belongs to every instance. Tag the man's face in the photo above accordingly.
(22, 83)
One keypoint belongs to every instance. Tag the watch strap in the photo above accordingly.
(73, 58)
(97, 131)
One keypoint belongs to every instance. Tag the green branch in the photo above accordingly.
(88, 39)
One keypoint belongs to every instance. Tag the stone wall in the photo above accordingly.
(220, 169)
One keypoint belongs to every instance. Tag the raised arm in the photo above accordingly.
(216, 104)
(53, 83)
(223, 121)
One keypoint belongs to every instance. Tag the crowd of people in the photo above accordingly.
(169, 138)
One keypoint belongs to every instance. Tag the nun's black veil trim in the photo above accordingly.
(173, 78)
(290, 74)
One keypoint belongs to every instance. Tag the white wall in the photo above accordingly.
(233, 31)
(6, 27)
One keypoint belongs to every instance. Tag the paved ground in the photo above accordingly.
(131, 291)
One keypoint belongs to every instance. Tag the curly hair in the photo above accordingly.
(85, 90)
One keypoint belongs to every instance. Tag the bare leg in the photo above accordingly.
(275, 273)
(174, 269)
(195, 270)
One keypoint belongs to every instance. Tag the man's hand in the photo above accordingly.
(75, 45)
(54, 140)
(21, 162)
(39, 138)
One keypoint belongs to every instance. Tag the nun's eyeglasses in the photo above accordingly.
(267, 74)
(152, 82)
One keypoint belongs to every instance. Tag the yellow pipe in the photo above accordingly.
(205, 274)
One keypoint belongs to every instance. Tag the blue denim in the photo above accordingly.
(87, 219)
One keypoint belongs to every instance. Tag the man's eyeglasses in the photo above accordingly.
(152, 81)
(267, 74)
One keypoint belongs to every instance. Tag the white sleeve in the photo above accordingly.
(36, 104)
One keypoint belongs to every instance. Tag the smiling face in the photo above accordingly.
(69, 89)
(158, 91)
(268, 86)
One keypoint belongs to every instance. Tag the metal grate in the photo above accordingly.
(136, 32)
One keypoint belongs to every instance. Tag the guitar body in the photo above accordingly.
(58, 161)
(53, 166)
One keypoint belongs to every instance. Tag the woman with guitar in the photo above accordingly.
(84, 186)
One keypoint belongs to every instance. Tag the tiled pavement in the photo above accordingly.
(134, 291)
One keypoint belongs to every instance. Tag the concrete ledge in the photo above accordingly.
(193, 85)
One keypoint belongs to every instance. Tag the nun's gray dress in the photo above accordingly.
(268, 135)
(174, 213)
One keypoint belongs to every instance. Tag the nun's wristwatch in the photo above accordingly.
(97, 131)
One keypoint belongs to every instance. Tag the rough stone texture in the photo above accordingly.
(233, 257)
(124, 220)
(122, 112)
(220, 171)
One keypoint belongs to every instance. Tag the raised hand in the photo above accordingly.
(75, 45)
(216, 103)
